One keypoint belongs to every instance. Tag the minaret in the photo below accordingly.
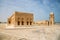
(51, 19)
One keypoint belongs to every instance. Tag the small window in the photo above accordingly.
(22, 18)
(30, 18)
(27, 18)
(18, 18)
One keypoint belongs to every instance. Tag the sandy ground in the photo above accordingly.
(30, 33)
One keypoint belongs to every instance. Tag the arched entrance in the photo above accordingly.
(27, 23)
(22, 22)
(18, 22)
(30, 23)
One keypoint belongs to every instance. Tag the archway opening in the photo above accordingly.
(22, 22)
(30, 23)
(18, 22)
(27, 23)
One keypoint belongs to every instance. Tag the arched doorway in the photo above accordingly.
(18, 22)
(22, 23)
(48, 23)
(30, 23)
(27, 23)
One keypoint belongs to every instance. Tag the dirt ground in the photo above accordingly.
(30, 33)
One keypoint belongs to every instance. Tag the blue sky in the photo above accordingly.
(40, 8)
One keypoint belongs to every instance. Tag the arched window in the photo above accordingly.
(27, 18)
(30, 18)
(22, 18)
(18, 18)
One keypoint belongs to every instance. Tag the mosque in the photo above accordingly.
(23, 18)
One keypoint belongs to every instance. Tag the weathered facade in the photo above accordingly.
(20, 18)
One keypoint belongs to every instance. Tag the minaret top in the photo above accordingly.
(51, 13)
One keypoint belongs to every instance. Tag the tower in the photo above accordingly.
(51, 18)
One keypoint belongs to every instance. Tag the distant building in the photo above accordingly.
(21, 18)
(43, 22)
(47, 22)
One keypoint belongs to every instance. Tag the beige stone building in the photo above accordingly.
(20, 18)
(43, 22)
